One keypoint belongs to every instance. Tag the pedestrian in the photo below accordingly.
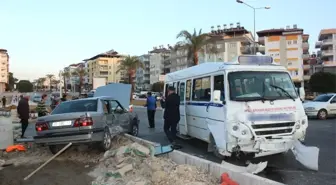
(151, 109)
(41, 108)
(64, 98)
(171, 115)
(23, 113)
(4, 100)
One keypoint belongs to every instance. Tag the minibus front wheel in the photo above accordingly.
(215, 150)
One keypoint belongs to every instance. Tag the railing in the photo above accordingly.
(327, 52)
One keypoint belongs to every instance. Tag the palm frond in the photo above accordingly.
(185, 34)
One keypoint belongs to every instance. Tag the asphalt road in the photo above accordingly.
(281, 168)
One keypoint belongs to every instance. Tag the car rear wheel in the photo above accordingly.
(134, 130)
(107, 140)
(322, 114)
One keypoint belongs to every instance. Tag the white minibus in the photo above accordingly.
(249, 105)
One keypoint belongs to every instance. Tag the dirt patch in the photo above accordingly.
(57, 172)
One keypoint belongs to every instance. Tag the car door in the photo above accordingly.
(332, 105)
(107, 112)
(120, 116)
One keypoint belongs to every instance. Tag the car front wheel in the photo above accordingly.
(322, 114)
(134, 129)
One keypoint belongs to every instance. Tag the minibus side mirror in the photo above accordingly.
(217, 96)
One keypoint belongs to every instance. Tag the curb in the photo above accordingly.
(212, 168)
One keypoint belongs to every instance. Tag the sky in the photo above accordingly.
(44, 36)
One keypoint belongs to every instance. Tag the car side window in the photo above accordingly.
(114, 105)
(333, 100)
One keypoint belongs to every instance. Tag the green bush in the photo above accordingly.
(323, 82)
(158, 87)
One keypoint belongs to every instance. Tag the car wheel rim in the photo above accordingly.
(322, 114)
(107, 140)
(135, 130)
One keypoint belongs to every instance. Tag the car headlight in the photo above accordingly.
(240, 131)
(304, 121)
(297, 127)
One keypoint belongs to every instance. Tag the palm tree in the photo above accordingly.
(194, 43)
(80, 72)
(50, 77)
(130, 65)
(41, 82)
(65, 75)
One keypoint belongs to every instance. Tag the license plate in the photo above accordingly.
(272, 146)
(61, 123)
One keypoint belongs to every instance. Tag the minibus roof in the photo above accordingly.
(243, 62)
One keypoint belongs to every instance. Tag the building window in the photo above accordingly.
(289, 42)
(219, 46)
(109, 67)
(232, 45)
(201, 89)
(294, 41)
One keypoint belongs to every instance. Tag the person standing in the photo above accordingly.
(41, 108)
(64, 98)
(171, 114)
(4, 100)
(151, 109)
(23, 113)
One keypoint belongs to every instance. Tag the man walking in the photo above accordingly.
(151, 108)
(41, 108)
(171, 114)
(23, 112)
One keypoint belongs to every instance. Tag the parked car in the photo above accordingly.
(37, 98)
(322, 106)
(85, 121)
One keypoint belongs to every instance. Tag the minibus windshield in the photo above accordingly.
(260, 85)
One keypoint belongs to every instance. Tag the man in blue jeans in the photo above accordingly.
(151, 108)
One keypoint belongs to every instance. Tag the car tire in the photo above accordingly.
(322, 114)
(54, 149)
(134, 129)
(106, 144)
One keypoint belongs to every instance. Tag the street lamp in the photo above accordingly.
(254, 20)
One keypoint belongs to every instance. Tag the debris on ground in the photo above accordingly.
(135, 164)
(251, 168)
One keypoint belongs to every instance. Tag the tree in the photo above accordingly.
(50, 77)
(24, 86)
(194, 43)
(40, 82)
(158, 87)
(80, 72)
(11, 82)
(323, 82)
(130, 64)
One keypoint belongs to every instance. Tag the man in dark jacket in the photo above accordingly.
(171, 114)
(151, 108)
(23, 112)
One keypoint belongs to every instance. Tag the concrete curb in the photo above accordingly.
(212, 168)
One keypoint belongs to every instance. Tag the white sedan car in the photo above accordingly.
(322, 106)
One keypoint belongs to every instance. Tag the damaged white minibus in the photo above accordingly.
(249, 105)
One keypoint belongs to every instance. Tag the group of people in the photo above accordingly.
(23, 110)
(171, 105)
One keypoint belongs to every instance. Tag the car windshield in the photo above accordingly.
(260, 85)
(323, 98)
(76, 106)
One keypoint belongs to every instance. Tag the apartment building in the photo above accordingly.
(105, 65)
(142, 81)
(4, 66)
(72, 80)
(156, 63)
(288, 47)
(226, 43)
(327, 46)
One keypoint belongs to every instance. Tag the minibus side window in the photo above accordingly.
(181, 92)
(188, 88)
(219, 85)
(201, 89)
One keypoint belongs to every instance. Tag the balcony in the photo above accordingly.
(327, 53)
(305, 56)
(305, 46)
(306, 67)
(327, 42)
(101, 73)
(261, 40)
(329, 63)
(318, 44)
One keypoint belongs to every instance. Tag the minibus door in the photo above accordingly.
(182, 126)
